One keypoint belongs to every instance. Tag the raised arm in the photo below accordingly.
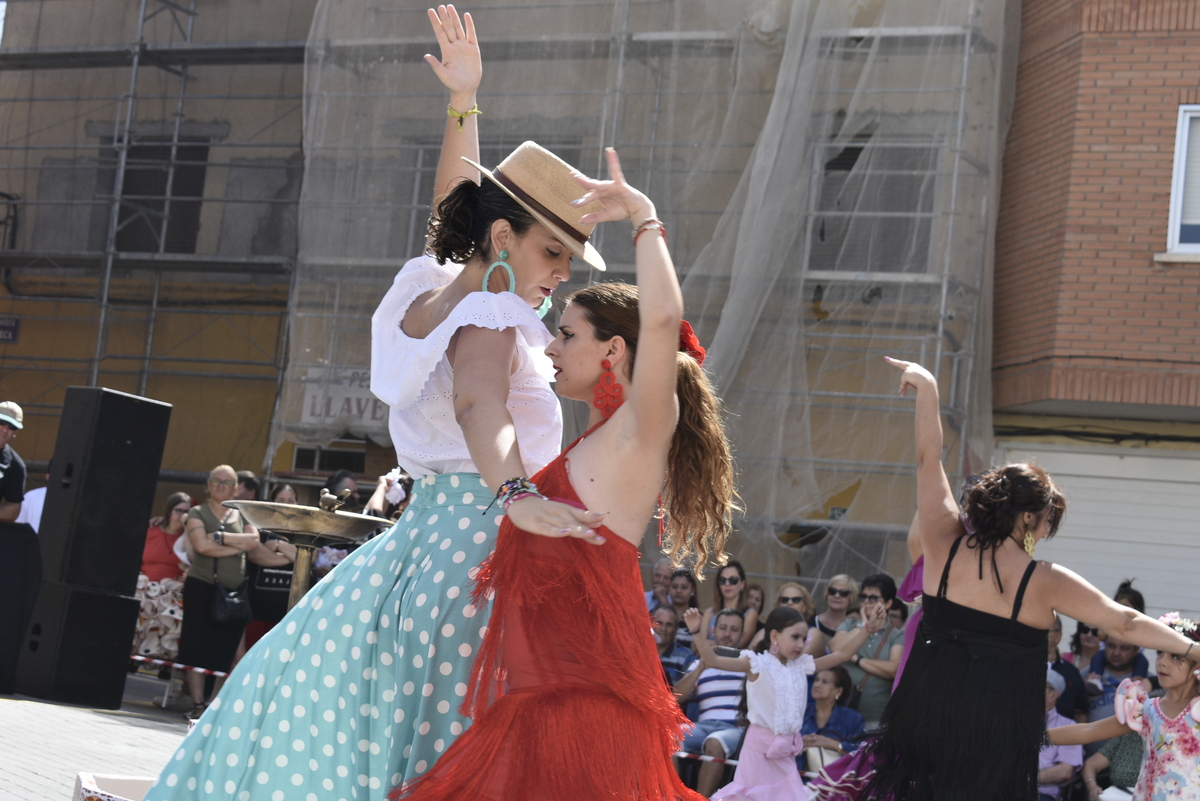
(660, 309)
(937, 511)
(460, 69)
(1074, 597)
(707, 651)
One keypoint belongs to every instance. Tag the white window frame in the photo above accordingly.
(1187, 114)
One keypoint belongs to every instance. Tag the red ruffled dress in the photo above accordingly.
(567, 693)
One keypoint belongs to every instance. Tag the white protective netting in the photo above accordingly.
(828, 174)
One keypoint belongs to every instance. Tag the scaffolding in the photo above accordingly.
(124, 253)
(825, 172)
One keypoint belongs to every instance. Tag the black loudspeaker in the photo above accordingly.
(20, 579)
(77, 648)
(101, 489)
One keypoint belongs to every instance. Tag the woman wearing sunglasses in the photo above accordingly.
(1085, 643)
(840, 597)
(730, 592)
(795, 596)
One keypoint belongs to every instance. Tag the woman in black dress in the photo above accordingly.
(968, 718)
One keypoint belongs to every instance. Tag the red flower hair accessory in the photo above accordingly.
(689, 344)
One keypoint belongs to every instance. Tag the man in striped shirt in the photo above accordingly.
(717, 693)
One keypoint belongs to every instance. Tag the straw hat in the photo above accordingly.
(541, 182)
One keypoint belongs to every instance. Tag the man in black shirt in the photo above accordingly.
(12, 469)
(21, 568)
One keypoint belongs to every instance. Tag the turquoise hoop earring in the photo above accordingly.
(501, 261)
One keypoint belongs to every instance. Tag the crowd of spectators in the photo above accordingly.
(846, 702)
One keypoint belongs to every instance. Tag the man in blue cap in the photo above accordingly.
(12, 469)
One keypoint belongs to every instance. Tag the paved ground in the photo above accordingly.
(44, 745)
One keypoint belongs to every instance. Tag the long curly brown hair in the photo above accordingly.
(700, 496)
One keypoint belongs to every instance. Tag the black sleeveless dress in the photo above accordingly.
(969, 716)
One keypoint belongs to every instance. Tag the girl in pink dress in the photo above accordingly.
(1169, 726)
(776, 695)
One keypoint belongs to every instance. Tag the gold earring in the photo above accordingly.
(1030, 543)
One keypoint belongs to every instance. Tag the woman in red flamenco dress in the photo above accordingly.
(567, 695)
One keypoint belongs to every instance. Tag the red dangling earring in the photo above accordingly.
(609, 394)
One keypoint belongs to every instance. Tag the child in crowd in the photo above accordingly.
(776, 696)
(1169, 726)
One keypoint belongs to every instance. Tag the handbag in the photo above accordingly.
(818, 757)
(230, 607)
(856, 691)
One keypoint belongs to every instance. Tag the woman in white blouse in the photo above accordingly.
(369, 670)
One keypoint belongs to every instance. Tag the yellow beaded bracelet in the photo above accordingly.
(462, 115)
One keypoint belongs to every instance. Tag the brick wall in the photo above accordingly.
(1083, 312)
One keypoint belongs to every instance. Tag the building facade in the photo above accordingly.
(1096, 363)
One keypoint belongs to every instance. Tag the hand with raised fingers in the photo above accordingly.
(692, 619)
(914, 375)
(460, 67)
(877, 618)
(549, 518)
(618, 200)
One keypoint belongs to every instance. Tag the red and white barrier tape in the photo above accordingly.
(704, 758)
(205, 671)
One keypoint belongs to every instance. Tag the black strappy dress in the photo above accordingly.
(969, 716)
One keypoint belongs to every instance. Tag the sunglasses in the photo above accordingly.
(181, 510)
(870, 599)
(791, 599)
(1092, 630)
(729, 580)
(839, 593)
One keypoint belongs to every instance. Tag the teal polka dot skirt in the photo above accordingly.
(358, 688)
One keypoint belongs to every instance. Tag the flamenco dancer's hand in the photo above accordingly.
(460, 67)
(914, 375)
(553, 519)
(618, 200)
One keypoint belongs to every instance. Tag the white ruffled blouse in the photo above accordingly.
(777, 698)
(415, 379)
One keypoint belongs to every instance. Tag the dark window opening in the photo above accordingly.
(329, 460)
(146, 203)
(874, 206)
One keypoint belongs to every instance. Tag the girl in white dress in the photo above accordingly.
(776, 695)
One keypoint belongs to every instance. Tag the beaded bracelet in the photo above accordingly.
(647, 224)
(514, 490)
(462, 115)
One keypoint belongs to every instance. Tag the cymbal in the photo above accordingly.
(286, 518)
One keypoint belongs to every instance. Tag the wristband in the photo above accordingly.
(462, 115)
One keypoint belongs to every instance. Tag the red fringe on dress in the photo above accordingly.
(567, 692)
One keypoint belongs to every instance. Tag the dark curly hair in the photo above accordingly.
(462, 227)
(995, 503)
